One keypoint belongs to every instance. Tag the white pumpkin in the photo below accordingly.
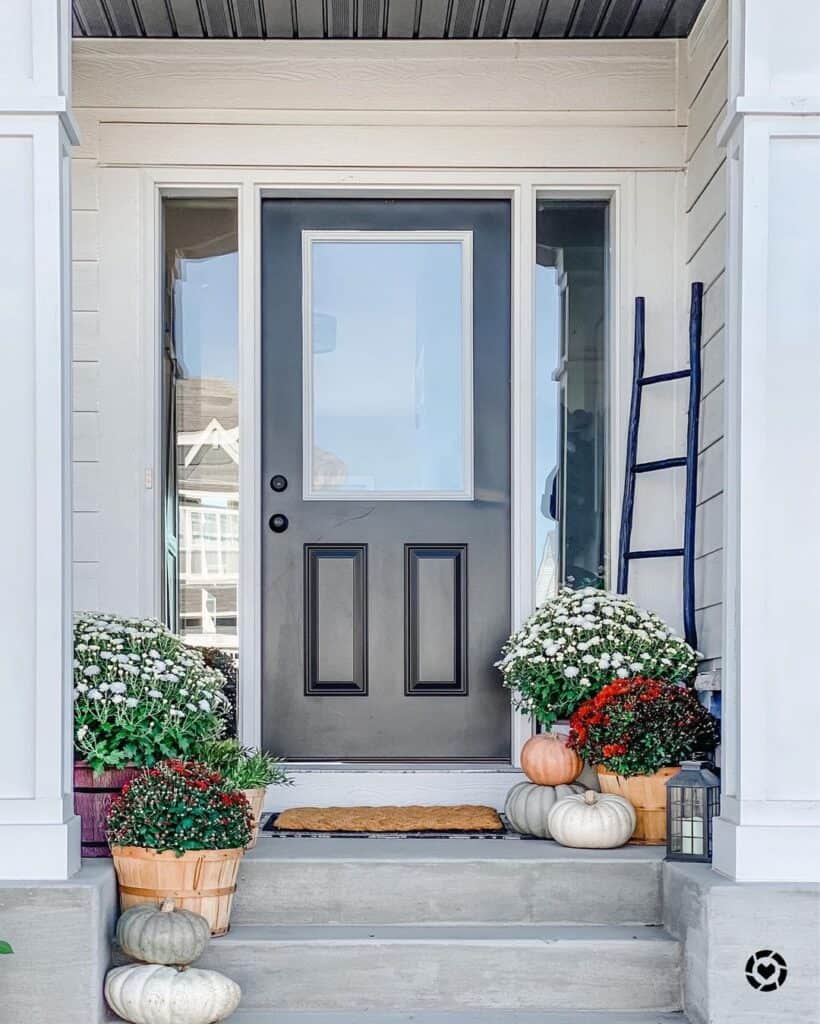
(592, 821)
(163, 935)
(155, 994)
(528, 805)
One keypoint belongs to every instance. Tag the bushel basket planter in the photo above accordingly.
(202, 881)
(647, 794)
(92, 798)
(256, 798)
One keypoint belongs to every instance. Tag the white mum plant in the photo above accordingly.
(140, 694)
(580, 640)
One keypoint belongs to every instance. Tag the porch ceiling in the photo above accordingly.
(386, 19)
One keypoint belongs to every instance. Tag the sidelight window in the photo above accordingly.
(570, 394)
(200, 411)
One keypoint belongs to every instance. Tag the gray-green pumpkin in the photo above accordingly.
(163, 935)
(528, 806)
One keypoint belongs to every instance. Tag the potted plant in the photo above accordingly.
(636, 732)
(177, 830)
(247, 769)
(140, 695)
(580, 640)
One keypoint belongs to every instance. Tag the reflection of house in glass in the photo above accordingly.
(208, 510)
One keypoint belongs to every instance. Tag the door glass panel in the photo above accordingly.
(570, 394)
(387, 366)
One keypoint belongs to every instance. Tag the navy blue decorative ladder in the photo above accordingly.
(690, 460)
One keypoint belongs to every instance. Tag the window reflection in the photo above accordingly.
(388, 369)
(202, 423)
(570, 394)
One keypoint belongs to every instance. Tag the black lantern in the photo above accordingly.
(692, 802)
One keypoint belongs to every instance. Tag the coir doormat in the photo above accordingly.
(461, 818)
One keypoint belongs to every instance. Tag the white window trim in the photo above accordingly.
(465, 240)
(522, 188)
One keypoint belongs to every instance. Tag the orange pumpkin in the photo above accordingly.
(546, 760)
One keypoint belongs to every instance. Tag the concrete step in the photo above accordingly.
(450, 967)
(469, 1017)
(376, 880)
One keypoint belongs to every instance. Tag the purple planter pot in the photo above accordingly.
(92, 798)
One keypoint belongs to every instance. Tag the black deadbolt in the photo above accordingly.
(278, 483)
(278, 523)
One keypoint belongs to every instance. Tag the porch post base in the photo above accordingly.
(766, 853)
(35, 852)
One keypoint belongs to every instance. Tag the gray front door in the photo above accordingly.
(386, 459)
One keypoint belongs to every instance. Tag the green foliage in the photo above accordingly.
(242, 767)
(579, 641)
(140, 695)
(5, 947)
(180, 806)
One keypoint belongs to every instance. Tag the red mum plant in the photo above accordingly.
(637, 726)
(180, 806)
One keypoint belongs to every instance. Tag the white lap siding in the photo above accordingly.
(707, 83)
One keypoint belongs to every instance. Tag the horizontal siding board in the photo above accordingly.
(709, 579)
(86, 586)
(86, 491)
(714, 307)
(86, 387)
(84, 194)
(85, 437)
(711, 418)
(469, 147)
(88, 128)
(84, 235)
(86, 335)
(709, 623)
(706, 161)
(709, 103)
(709, 526)
(706, 213)
(712, 359)
(710, 471)
(709, 262)
(706, 42)
(85, 286)
(499, 75)
(85, 535)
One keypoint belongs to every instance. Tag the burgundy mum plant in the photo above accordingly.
(180, 806)
(637, 726)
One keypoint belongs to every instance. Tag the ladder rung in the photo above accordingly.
(657, 553)
(650, 467)
(661, 378)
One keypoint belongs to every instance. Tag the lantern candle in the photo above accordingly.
(692, 835)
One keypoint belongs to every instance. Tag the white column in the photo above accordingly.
(39, 835)
(770, 823)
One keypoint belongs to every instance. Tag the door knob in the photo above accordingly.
(278, 483)
(278, 522)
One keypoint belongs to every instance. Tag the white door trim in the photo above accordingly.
(522, 188)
